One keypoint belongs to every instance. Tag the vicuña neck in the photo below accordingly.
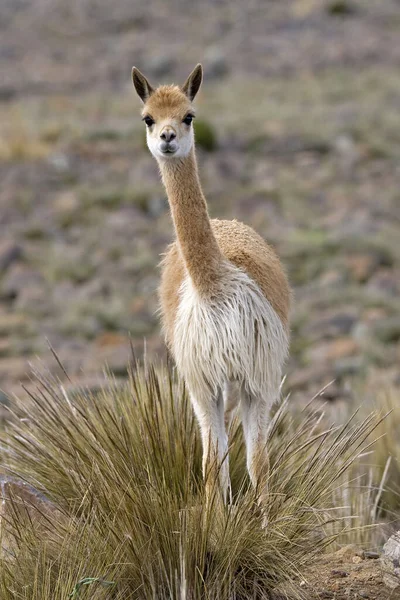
(199, 248)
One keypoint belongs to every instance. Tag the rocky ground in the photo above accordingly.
(298, 134)
(347, 574)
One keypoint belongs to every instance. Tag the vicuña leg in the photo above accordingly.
(210, 414)
(255, 420)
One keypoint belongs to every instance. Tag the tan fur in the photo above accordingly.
(167, 101)
(197, 244)
(242, 246)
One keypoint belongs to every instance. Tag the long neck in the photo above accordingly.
(198, 246)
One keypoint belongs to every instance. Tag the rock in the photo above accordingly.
(9, 252)
(339, 573)
(371, 555)
(21, 503)
(390, 561)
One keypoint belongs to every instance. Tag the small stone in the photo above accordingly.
(390, 562)
(372, 555)
(339, 573)
(356, 560)
(326, 594)
(9, 252)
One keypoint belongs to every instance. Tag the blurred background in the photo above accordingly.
(298, 135)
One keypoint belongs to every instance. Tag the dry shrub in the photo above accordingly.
(122, 469)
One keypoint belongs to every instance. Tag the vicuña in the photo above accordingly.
(224, 295)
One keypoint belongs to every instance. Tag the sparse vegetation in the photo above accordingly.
(206, 137)
(121, 472)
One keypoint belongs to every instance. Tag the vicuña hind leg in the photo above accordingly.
(210, 414)
(255, 413)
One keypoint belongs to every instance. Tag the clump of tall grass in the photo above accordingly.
(125, 513)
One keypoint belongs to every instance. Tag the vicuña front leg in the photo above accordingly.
(210, 414)
(255, 420)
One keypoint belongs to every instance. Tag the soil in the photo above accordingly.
(345, 575)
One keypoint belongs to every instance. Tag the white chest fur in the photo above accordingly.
(235, 335)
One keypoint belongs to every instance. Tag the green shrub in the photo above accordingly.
(205, 135)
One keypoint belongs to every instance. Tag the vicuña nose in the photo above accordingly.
(168, 135)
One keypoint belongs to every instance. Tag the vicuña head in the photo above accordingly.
(168, 114)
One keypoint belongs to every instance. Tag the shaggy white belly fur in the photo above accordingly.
(235, 335)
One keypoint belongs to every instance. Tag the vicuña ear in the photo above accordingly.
(193, 82)
(142, 86)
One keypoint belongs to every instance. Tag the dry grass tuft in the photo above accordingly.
(121, 474)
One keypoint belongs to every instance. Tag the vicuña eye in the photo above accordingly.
(188, 119)
(149, 121)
